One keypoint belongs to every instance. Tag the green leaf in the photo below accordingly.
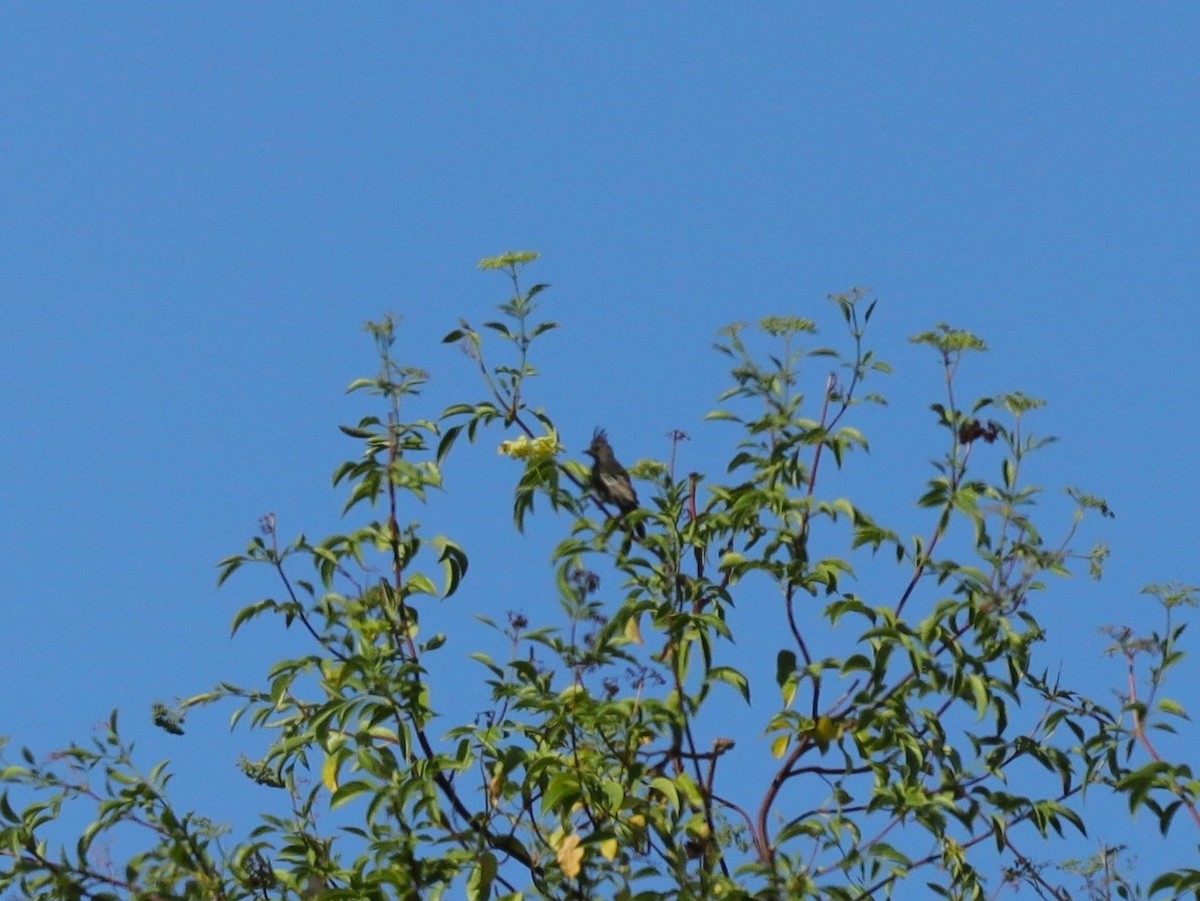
(785, 666)
(979, 691)
(731, 676)
(435, 642)
(454, 564)
(514, 259)
(355, 432)
(498, 327)
(419, 583)
(722, 416)
(447, 442)
(666, 787)
(479, 883)
(348, 792)
(1172, 708)
(561, 794)
(254, 610)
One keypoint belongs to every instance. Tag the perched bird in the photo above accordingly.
(610, 481)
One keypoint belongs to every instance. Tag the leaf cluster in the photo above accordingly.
(910, 730)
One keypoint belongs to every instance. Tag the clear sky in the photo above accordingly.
(201, 204)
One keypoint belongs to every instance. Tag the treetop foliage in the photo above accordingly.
(910, 735)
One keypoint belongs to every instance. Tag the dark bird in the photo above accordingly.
(610, 481)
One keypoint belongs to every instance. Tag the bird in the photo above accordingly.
(610, 481)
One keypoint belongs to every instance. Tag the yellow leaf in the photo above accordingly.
(570, 855)
(789, 691)
(633, 629)
(826, 730)
(332, 671)
(779, 746)
(608, 848)
(329, 772)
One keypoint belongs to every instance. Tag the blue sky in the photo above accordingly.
(200, 205)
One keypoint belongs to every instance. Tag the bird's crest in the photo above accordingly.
(599, 442)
